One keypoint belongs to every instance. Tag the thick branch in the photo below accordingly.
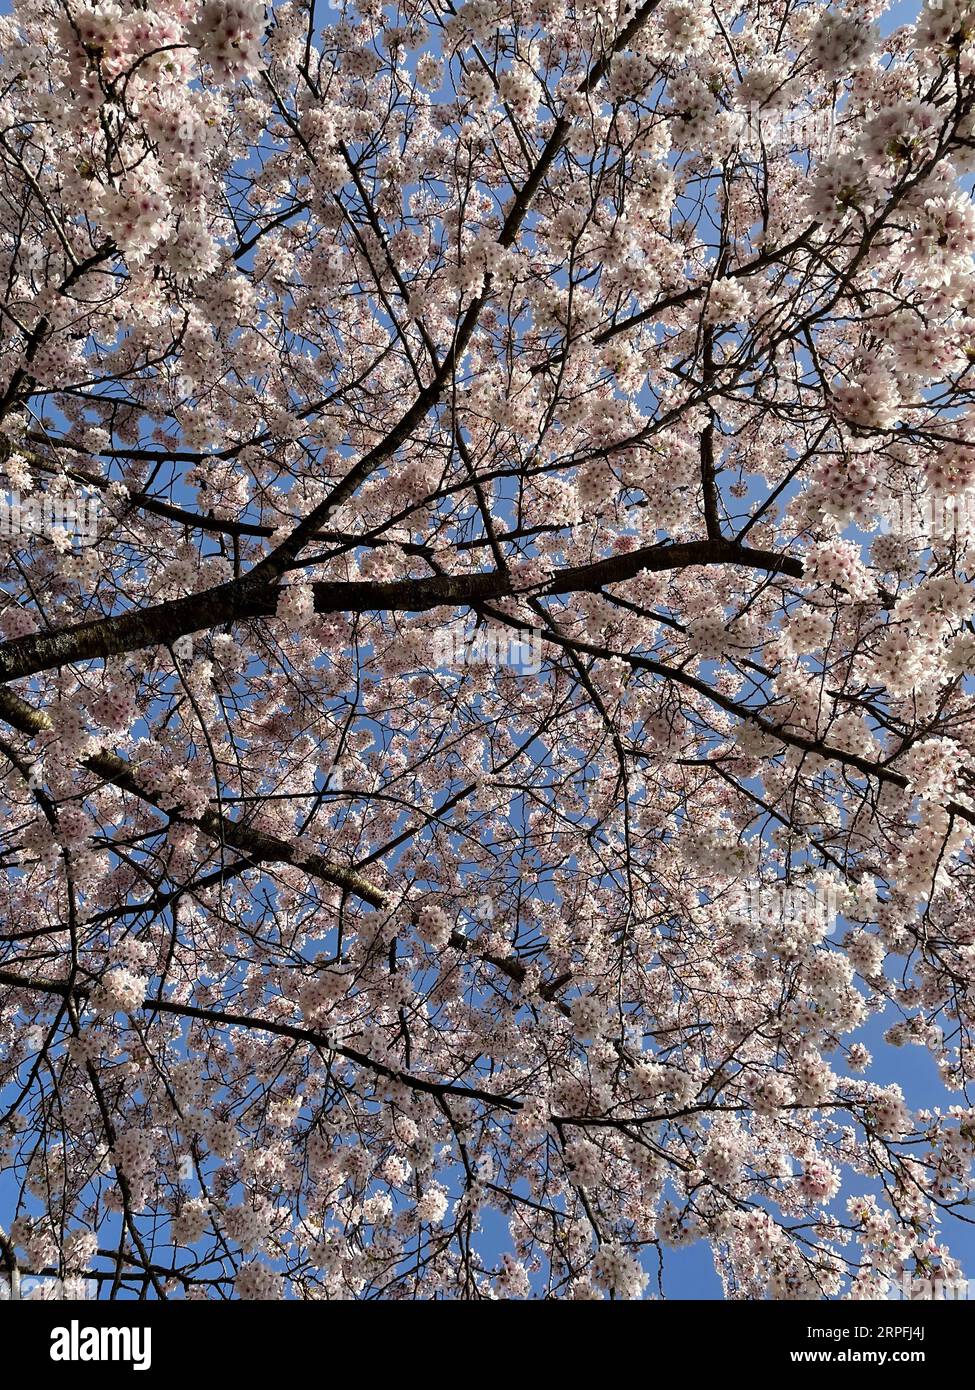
(240, 599)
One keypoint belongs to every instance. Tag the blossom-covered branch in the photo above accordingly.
(486, 682)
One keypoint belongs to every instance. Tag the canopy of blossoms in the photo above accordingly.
(487, 722)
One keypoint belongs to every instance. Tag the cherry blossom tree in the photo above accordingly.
(487, 735)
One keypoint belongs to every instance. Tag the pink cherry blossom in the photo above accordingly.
(491, 747)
